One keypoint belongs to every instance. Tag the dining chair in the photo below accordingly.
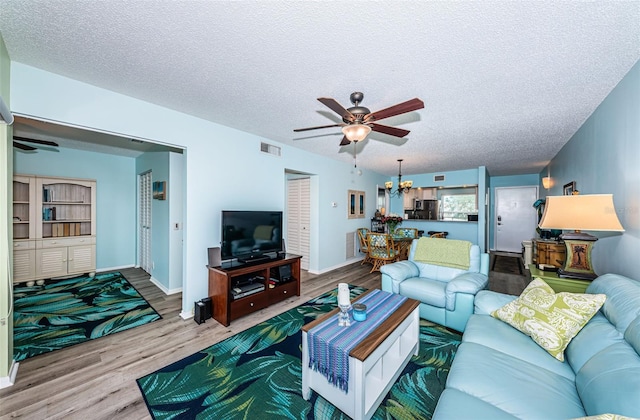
(364, 246)
(381, 250)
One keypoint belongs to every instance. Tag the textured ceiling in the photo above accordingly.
(505, 84)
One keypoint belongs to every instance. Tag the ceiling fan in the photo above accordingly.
(18, 143)
(359, 121)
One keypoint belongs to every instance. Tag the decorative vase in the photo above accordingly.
(392, 227)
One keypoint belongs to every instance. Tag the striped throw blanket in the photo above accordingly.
(329, 344)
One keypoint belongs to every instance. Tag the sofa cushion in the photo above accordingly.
(426, 291)
(495, 334)
(632, 334)
(623, 298)
(550, 319)
(521, 389)
(454, 404)
(597, 335)
(610, 380)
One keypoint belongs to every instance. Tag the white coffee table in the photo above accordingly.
(374, 364)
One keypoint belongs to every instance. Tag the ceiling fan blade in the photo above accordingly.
(44, 142)
(392, 131)
(23, 146)
(408, 106)
(345, 141)
(337, 108)
(315, 128)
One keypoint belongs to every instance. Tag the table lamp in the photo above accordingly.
(593, 212)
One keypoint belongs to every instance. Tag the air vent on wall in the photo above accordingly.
(351, 244)
(269, 148)
(438, 178)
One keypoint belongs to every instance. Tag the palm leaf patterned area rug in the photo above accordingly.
(256, 374)
(71, 311)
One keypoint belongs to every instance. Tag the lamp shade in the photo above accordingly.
(356, 132)
(594, 212)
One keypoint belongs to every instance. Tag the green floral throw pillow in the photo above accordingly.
(550, 319)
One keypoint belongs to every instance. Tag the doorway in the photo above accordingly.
(515, 217)
(144, 222)
(299, 218)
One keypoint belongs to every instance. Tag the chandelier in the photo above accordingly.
(403, 186)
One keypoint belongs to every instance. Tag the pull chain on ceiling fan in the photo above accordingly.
(359, 121)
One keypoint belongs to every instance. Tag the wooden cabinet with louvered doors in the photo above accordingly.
(24, 227)
(61, 257)
(54, 227)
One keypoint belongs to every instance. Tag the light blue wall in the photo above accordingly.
(115, 196)
(224, 168)
(469, 231)
(176, 188)
(604, 157)
(526, 180)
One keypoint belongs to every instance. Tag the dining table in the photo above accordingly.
(402, 245)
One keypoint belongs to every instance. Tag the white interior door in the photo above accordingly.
(515, 217)
(299, 218)
(144, 223)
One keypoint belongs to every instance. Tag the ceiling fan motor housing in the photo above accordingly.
(358, 112)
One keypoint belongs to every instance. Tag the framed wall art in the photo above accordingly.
(159, 190)
(355, 204)
(569, 188)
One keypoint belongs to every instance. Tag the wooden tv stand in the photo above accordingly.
(222, 281)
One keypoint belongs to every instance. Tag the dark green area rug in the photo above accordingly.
(71, 311)
(256, 374)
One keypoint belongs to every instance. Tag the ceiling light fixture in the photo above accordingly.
(403, 186)
(356, 132)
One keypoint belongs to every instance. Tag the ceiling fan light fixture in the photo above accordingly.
(356, 132)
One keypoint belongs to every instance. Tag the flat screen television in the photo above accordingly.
(251, 235)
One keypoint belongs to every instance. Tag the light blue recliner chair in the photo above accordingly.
(446, 294)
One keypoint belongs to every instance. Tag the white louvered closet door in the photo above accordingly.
(144, 222)
(299, 218)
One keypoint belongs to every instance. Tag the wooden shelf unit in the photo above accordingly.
(222, 281)
(54, 227)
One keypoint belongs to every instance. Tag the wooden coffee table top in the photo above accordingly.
(377, 336)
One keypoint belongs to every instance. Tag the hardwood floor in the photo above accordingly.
(97, 379)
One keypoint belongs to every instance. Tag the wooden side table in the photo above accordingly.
(557, 283)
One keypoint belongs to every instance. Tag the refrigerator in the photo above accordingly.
(426, 209)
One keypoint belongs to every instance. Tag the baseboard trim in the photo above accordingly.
(121, 267)
(186, 315)
(348, 262)
(164, 289)
(7, 381)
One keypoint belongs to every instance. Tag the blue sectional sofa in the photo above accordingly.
(500, 373)
(445, 294)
